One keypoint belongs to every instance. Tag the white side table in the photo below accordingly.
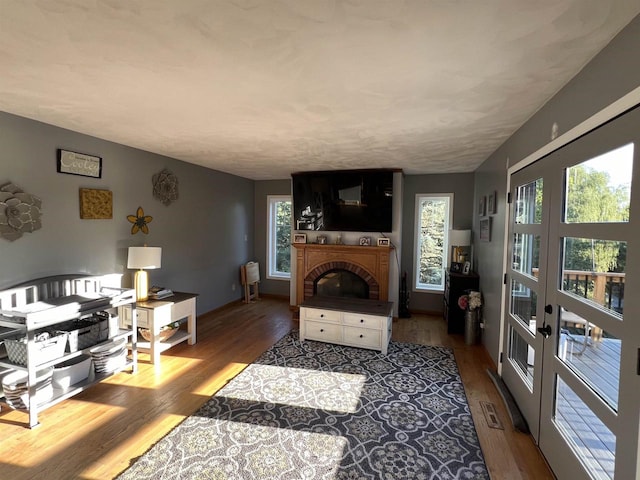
(155, 314)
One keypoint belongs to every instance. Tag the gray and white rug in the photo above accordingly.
(321, 411)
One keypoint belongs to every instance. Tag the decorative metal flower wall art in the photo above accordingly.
(19, 212)
(165, 186)
(140, 221)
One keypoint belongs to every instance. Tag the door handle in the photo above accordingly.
(548, 309)
(545, 331)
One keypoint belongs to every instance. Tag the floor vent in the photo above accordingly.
(519, 423)
(489, 410)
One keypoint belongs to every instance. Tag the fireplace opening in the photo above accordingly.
(341, 283)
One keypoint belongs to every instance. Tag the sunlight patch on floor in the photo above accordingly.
(333, 391)
(64, 443)
(222, 377)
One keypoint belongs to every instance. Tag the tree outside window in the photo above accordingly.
(433, 221)
(279, 238)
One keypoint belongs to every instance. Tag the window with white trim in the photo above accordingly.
(434, 215)
(279, 237)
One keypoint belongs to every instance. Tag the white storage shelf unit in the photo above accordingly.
(46, 302)
(347, 321)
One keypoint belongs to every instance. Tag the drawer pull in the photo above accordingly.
(321, 330)
(322, 315)
(362, 320)
(361, 336)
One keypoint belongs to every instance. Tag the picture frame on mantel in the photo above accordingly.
(299, 238)
(365, 241)
(383, 242)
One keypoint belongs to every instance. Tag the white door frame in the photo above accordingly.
(630, 100)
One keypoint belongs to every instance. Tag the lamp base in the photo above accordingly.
(141, 283)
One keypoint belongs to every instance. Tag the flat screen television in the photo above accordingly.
(343, 200)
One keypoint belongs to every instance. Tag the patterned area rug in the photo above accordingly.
(321, 411)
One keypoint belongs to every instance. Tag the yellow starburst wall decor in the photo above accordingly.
(140, 221)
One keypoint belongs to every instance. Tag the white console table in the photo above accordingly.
(355, 322)
(155, 314)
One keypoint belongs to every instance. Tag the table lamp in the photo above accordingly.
(459, 239)
(143, 258)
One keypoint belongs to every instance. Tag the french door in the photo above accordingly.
(572, 342)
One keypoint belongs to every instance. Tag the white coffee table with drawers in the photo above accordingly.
(354, 322)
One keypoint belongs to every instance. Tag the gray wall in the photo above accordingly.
(261, 191)
(202, 234)
(614, 72)
(461, 185)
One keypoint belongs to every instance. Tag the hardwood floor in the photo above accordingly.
(96, 434)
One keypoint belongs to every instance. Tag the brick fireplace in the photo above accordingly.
(371, 263)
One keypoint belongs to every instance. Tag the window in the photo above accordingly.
(433, 221)
(279, 237)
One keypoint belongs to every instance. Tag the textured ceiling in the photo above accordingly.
(262, 88)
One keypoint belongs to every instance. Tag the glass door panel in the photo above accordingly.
(594, 270)
(526, 254)
(523, 305)
(589, 439)
(599, 189)
(521, 371)
(595, 358)
(522, 357)
(589, 416)
(528, 202)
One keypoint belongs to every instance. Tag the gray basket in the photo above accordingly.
(85, 333)
(46, 349)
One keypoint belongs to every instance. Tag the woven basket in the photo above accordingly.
(85, 333)
(165, 334)
(46, 349)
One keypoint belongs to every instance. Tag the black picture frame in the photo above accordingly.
(74, 163)
(456, 267)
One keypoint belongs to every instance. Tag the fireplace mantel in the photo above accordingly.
(370, 261)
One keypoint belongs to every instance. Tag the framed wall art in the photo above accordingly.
(485, 229)
(96, 204)
(482, 205)
(492, 206)
(299, 238)
(82, 164)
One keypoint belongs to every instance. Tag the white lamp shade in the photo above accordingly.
(144, 257)
(460, 238)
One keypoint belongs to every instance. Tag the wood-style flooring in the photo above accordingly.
(96, 434)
